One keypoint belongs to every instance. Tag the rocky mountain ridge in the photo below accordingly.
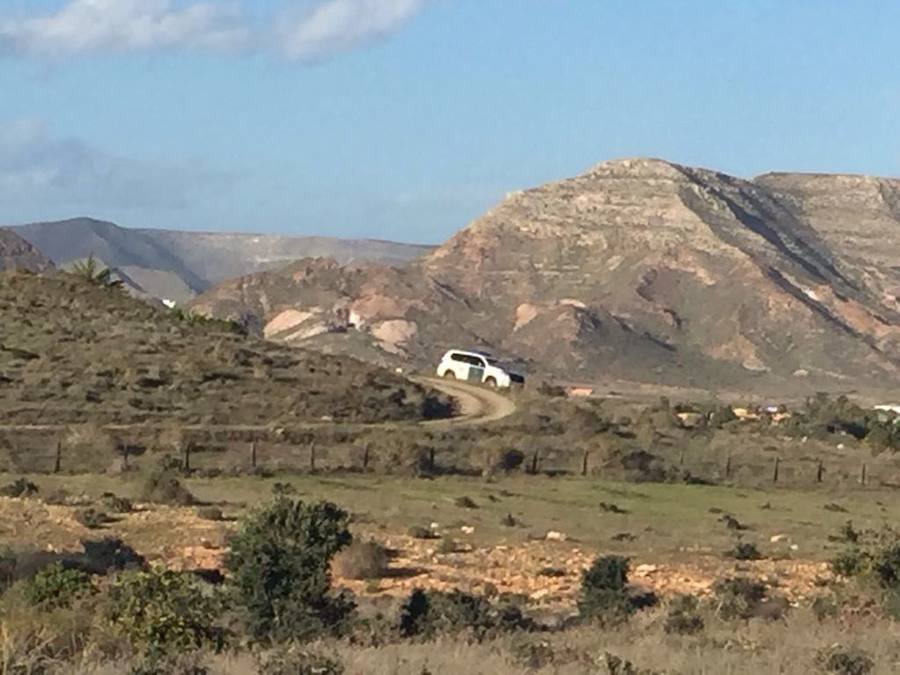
(636, 268)
(177, 265)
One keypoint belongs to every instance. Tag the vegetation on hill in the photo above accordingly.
(73, 351)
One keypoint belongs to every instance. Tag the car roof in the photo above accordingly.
(468, 353)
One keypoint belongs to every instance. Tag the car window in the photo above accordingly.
(462, 358)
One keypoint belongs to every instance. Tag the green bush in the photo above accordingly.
(738, 597)
(684, 617)
(116, 504)
(164, 612)
(604, 591)
(744, 551)
(21, 487)
(844, 661)
(56, 586)
(109, 554)
(213, 513)
(871, 555)
(163, 487)
(279, 565)
(91, 518)
(428, 614)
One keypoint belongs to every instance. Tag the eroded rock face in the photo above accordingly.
(16, 253)
(647, 270)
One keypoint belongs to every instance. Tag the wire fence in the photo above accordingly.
(249, 451)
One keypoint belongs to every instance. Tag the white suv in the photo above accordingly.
(476, 367)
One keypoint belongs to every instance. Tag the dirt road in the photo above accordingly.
(477, 404)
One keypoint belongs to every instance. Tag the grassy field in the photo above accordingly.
(667, 521)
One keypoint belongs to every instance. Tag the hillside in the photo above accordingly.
(71, 352)
(178, 265)
(638, 269)
(16, 253)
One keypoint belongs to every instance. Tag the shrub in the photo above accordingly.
(361, 560)
(8, 563)
(21, 487)
(744, 551)
(447, 546)
(163, 487)
(738, 597)
(280, 567)
(503, 460)
(56, 586)
(430, 613)
(616, 665)
(465, 502)
(293, 660)
(116, 504)
(210, 513)
(165, 612)
(825, 607)
(844, 661)
(604, 590)
(509, 521)
(90, 518)
(684, 617)
(873, 555)
(109, 554)
(419, 532)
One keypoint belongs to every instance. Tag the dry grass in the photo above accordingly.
(756, 648)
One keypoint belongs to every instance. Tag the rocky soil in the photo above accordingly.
(547, 573)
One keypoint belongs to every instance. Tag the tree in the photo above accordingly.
(279, 563)
(91, 271)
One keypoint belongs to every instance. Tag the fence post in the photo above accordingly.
(187, 457)
(366, 457)
(57, 463)
(312, 457)
(431, 461)
(775, 471)
(862, 474)
(681, 459)
(535, 462)
(584, 463)
(728, 468)
(253, 454)
(820, 471)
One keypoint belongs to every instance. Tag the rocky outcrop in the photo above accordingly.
(643, 269)
(16, 253)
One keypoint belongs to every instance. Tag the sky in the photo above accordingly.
(406, 119)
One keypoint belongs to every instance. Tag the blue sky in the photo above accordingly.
(405, 119)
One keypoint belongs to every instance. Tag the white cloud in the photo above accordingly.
(320, 30)
(91, 26)
(38, 168)
(336, 26)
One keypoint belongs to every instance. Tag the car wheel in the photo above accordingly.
(491, 382)
(449, 375)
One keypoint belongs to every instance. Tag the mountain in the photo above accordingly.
(16, 253)
(72, 353)
(639, 269)
(177, 265)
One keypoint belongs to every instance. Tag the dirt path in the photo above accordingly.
(477, 405)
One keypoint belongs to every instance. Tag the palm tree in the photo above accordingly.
(89, 270)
